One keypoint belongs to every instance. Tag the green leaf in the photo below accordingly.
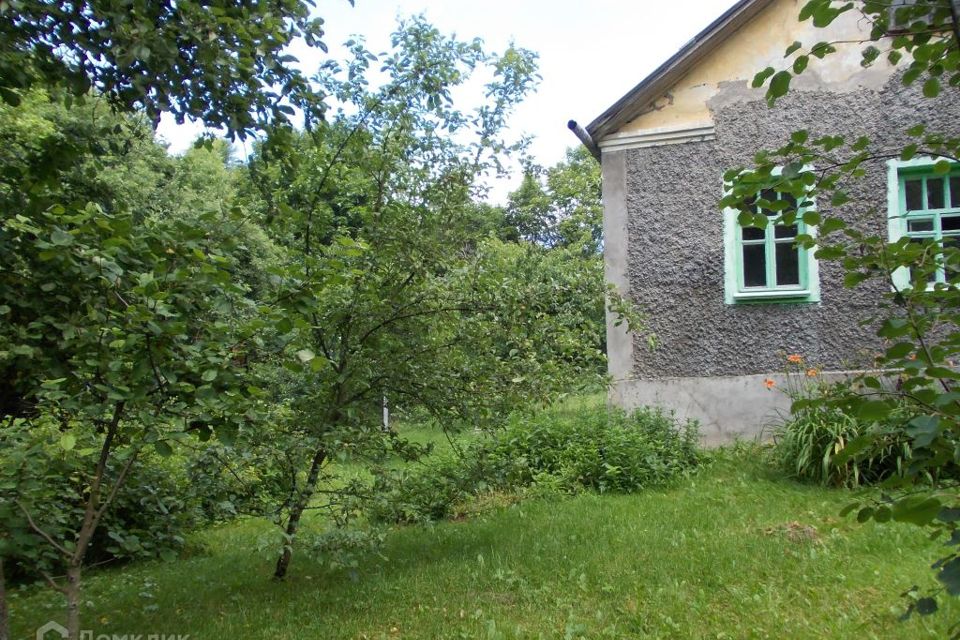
(931, 88)
(61, 238)
(949, 575)
(163, 448)
(850, 508)
(831, 224)
(209, 375)
(919, 510)
(926, 606)
(882, 514)
(822, 49)
(853, 448)
(761, 77)
(870, 55)
(924, 430)
(893, 328)
(839, 198)
(305, 355)
(792, 48)
(900, 350)
(800, 64)
(942, 167)
(873, 410)
(779, 85)
(284, 326)
(68, 441)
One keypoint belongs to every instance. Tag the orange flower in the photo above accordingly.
(812, 373)
(795, 358)
(769, 383)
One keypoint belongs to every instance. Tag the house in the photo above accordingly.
(729, 305)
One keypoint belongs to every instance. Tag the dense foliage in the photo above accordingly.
(559, 206)
(809, 442)
(191, 339)
(224, 63)
(559, 451)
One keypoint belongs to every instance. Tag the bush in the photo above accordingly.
(596, 449)
(148, 518)
(807, 444)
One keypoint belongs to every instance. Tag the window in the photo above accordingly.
(765, 264)
(901, 14)
(925, 207)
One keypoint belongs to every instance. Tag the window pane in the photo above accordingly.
(935, 193)
(914, 192)
(928, 259)
(753, 233)
(951, 262)
(916, 226)
(955, 191)
(785, 231)
(788, 265)
(754, 265)
(769, 195)
(950, 223)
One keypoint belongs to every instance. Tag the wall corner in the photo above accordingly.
(616, 260)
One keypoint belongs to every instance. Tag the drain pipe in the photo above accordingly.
(585, 138)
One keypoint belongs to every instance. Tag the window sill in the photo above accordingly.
(773, 295)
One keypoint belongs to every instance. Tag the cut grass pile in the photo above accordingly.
(734, 552)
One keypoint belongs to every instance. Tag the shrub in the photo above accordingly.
(597, 449)
(428, 491)
(808, 443)
(148, 518)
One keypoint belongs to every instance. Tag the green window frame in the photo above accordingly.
(765, 265)
(923, 206)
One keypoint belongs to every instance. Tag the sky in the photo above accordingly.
(591, 52)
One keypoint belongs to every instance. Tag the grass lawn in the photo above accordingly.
(734, 552)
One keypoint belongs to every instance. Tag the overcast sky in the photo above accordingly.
(591, 52)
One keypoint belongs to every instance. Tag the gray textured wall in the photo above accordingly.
(675, 266)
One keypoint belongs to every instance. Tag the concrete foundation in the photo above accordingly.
(728, 408)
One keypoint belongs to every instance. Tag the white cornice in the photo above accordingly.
(657, 137)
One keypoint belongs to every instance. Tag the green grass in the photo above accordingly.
(710, 558)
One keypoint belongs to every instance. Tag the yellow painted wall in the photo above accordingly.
(759, 44)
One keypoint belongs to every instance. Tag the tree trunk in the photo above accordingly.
(94, 509)
(4, 614)
(296, 512)
(72, 592)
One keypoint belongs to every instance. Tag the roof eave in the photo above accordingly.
(637, 100)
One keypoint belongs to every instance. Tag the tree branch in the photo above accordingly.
(33, 525)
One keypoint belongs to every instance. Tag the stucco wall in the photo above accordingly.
(674, 235)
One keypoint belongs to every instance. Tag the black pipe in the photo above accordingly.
(585, 138)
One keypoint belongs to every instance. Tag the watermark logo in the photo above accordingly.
(51, 630)
(54, 631)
